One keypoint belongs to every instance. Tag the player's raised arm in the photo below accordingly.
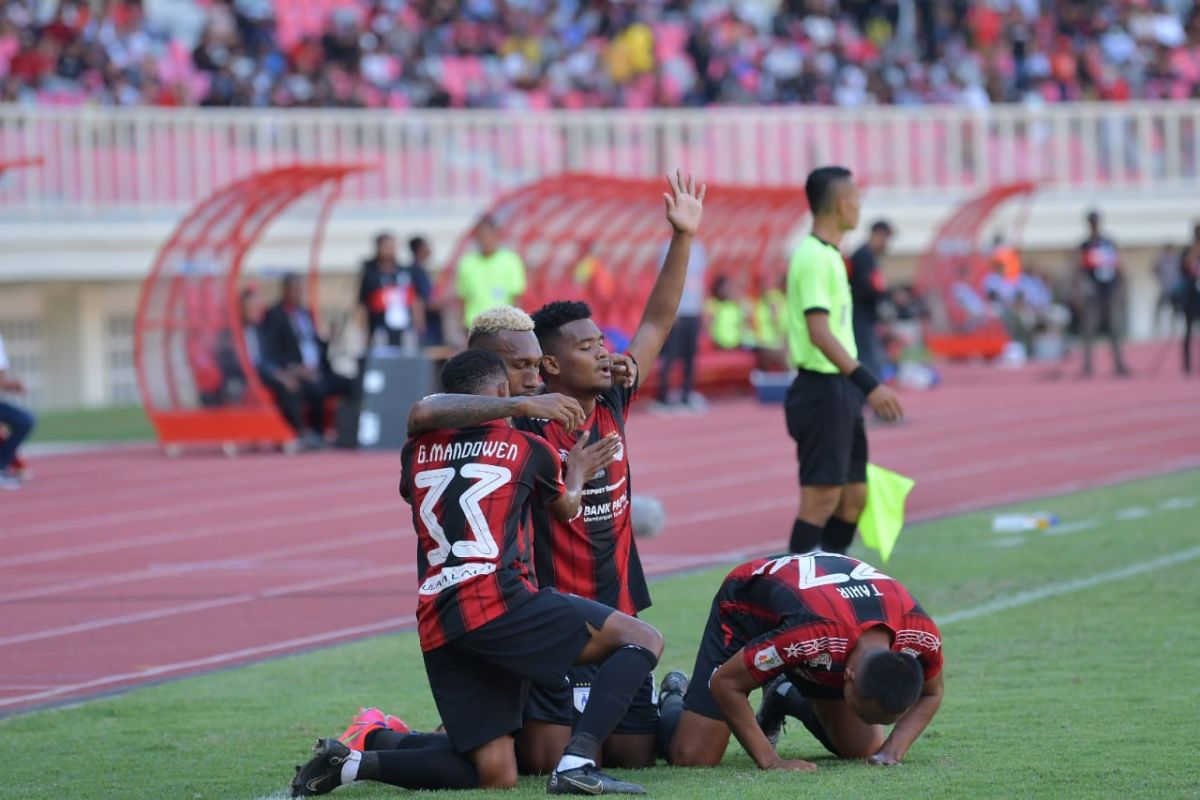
(685, 206)
(731, 686)
(912, 724)
(442, 411)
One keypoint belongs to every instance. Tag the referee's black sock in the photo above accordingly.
(384, 739)
(613, 688)
(806, 537)
(837, 535)
(437, 766)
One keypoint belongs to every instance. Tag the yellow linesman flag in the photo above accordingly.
(883, 516)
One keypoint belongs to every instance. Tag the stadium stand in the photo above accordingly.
(537, 54)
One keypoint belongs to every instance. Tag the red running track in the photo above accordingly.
(125, 567)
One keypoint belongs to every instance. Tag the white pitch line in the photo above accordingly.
(1066, 587)
(211, 661)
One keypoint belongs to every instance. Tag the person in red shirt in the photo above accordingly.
(487, 632)
(840, 645)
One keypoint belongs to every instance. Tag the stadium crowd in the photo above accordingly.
(590, 54)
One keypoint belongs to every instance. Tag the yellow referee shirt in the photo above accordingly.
(817, 280)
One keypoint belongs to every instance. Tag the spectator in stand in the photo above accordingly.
(291, 343)
(18, 423)
(393, 54)
(868, 290)
(684, 340)
(489, 277)
(390, 295)
(1100, 286)
(1189, 268)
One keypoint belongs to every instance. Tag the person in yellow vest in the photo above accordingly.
(489, 277)
(771, 327)
(727, 317)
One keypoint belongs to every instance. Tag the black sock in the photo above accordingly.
(613, 688)
(433, 767)
(384, 739)
(670, 709)
(799, 708)
(837, 535)
(806, 537)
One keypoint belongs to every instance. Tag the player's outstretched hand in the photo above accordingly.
(589, 459)
(624, 370)
(685, 204)
(552, 406)
(883, 760)
(886, 404)
(793, 765)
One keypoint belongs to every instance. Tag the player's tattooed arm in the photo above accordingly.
(583, 463)
(731, 686)
(685, 206)
(911, 725)
(441, 411)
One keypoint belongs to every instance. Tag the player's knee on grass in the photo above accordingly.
(496, 763)
(540, 747)
(630, 750)
(698, 741)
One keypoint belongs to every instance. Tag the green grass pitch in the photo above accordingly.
(1072, 670)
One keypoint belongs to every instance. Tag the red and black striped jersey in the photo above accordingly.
(470, 492)
(803, 614)
(593, 555)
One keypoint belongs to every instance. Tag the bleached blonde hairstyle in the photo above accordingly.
(495, 320)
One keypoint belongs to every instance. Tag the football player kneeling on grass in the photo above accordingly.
(837, 644)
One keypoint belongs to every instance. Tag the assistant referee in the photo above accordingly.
(824, 404)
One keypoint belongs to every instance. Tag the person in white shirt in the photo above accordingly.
(18, 422)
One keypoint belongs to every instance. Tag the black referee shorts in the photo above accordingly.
(480, 680)
(824, 416)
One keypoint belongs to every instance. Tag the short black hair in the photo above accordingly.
(381, 237)
(549, 319)
(472, 371)
(415, 244)
(882, 226)
(819, 186)
(892, 680)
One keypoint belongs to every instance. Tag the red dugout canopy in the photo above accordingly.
(189, 309)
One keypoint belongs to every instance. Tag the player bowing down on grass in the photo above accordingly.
(594, 554)
(857, 650)
(486, 631)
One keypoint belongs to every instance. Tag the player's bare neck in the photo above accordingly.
(586, 399)
(877, 638)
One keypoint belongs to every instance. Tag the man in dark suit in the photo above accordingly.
(290, 343)
(283, 385)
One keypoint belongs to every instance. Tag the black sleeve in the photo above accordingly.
(862, 267)
(422, 282)
(406, 471)
(272, 350)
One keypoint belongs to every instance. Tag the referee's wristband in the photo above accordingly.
(863, 379)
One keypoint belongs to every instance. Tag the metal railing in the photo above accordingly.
(149, 162)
